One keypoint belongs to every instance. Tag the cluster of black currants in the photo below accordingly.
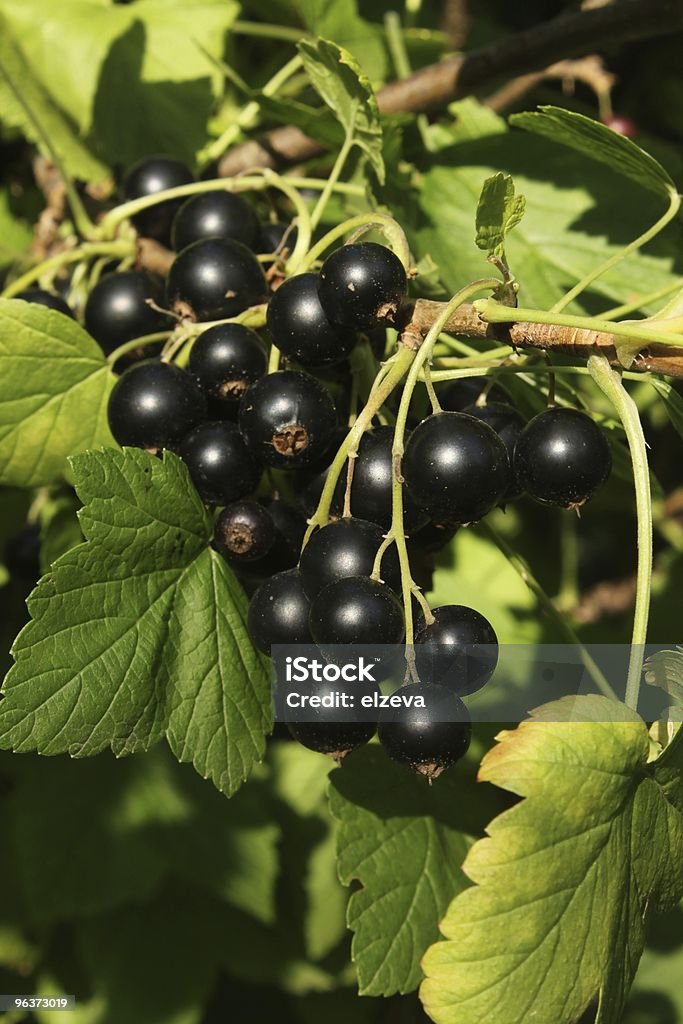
(238, 426)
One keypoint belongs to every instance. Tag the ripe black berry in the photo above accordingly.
(278, 612)
(288, 419)
(276, 238)
(356, 610)
(427, 739)
(346, 548)
(459, 650)
(371, 484)
(244, 532)
(214, 215)
(226, 359)
(457, 395)
(332, 730)
(289, 525)
(146, 178)
(153, 405)
(118, 309)
(433, 537)
(215, 278)
(44, 298)
(220, 464)
(300, 328)
(456, 467)
(561, 458)
(362, 284)
(508, 424)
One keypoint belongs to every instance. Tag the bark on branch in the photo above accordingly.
(571, 341)
(570, 35)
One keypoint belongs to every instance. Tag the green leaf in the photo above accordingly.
(342, 22)
(56, 383)
(673, 403)
(499, 210)
(566, 876)
(140, 632)
(665, 669)
(404, 842)
(345, 89)
(15, 234)
(60, 530)
(26, 104)
(312, 121)
(599, 142)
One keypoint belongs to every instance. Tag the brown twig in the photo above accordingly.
(590, 70)
(570, 35)
(572, 341)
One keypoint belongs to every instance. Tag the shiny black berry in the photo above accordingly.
(244, 532)
(371, 485)
(300, 328)
(562, 457)
(433, 537)
(456, 467)
(226, 359)
(279, 612)
(289, 524)
(118, 309)
(457, 395)
(508, 424)
(213, 279)
(215, 215)
(329, 727)
(362, 284)
(427, 738)
(458, 650)
(276, 238)
(356, 610)
(154, 405)
(346, 548)
(220, 464)
(288, 419)
(146, 178)
(45, 298)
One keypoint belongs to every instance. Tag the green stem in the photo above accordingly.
(119, 249)
(332, 180)
(392, 231)
(387, 379)
(495, 313)
(255, 28)
(561, 621)
(672, 210)
(644, 300)
(609, 381)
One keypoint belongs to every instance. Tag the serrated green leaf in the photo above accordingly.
(404, 842)
(53, 402)
(139, 632)
(566, 877)
(599, 142)
(345, 89)
(665, 670)
(499, 210)
(26, 104)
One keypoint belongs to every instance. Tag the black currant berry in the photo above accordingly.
(456, 467)
(215, 278)
(244, 532)
(277, 238)
(299, 327)
(22, 554)
(148, 177)
(508, 424)
(220, 464)
(433, 537)
(279, 612)
(337, 724)
(371, 483)
(118, 309)
(356, 610)
(153, 405)
(289, 525)
(346, 548)
(362, 284)
(288, 419)
(457, 395)
(214, 215)
(459, 650)
(561, 458)
(226, 359)
(427, 739)
(44, 298)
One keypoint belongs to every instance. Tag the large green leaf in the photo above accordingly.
(578, 213)
(347, 92)
(25, 103)
(404, 842)
(53, 401)
(566, 877)
(139, 632)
